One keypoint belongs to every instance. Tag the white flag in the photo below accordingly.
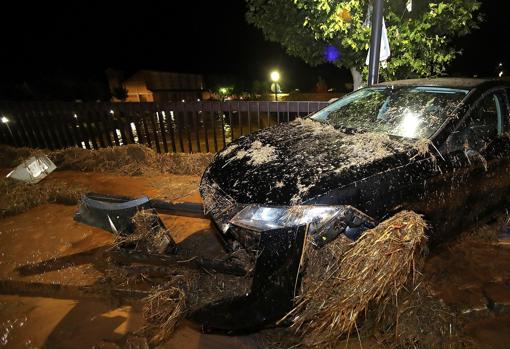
(385, 52)
(409, 5)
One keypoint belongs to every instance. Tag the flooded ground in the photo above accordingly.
(472, 276)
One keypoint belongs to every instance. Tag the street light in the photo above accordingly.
(275, 77)
(5, 121)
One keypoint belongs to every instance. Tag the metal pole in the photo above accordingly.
(375, 43)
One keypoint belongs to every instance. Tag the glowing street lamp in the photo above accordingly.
(5, 121)
(275, 77)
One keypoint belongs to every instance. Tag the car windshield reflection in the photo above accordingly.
(411, 111)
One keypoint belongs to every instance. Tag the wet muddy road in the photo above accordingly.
(472, 276)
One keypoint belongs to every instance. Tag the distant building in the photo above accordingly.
(157, 86)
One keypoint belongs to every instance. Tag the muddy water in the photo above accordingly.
(49, 231)
(473, 278)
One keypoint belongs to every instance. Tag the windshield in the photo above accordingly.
(411, 111)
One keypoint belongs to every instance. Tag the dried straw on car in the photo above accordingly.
(341, 281)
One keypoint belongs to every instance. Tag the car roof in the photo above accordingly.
(439, 82)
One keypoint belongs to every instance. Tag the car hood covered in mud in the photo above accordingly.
(294, 163)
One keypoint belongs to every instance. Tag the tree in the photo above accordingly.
(421, 40)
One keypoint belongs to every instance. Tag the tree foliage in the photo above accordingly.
(421, 41)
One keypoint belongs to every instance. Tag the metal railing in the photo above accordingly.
(169, 127)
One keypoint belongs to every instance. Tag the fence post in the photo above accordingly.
(159, 114)
(170, 126)
(196, 123)
(222, 116)
(203, 118)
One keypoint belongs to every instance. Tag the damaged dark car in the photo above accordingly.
(438, 147)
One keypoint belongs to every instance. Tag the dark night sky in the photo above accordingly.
(83, 38)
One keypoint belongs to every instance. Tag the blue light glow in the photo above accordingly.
(331, 54)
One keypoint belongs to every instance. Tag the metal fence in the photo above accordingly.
(170, 127)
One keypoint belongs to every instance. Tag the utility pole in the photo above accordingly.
(375, 42)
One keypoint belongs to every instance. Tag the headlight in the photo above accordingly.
(324, 222)
(259, 218)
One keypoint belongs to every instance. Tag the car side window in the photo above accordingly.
(486, 122)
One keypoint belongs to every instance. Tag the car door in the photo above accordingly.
(479, 152)
(469, 176)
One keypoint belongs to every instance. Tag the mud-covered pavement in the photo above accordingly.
(471, 275)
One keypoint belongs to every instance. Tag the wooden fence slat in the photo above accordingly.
(147, 135)
(180, 127)
(42, 124)
(62, 125)
(215, 137)
(102, 127)
(249, 118)
(64, 117)
(258, 116)
(110, 124)
(138, 123)
(239, 117)
(231, 124)
(222, 119)
(196, 125)
(189, 117)
(7, 134)
(206, 128)
(152, 116)
(53, 126)
(76, 128)
(23, 127)
(162, 129)
(169, 116)
(28, 116)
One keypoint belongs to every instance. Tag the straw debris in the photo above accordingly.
(162, 311)
(179, 293)
(18, 197)
(132, 160)
(342, 280)
(149, 235)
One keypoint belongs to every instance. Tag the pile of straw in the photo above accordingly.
(18, 197)
(182, 292)
(132, 160)
(162, 311)
(338, 287)
(149, 234)
(12, 157)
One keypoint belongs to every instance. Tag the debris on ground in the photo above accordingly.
(33, 170)
(149, 235)
(162, 311)
(338, 287)
(131, 160)
(416, 319)
(18, 197)
(176, 292)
